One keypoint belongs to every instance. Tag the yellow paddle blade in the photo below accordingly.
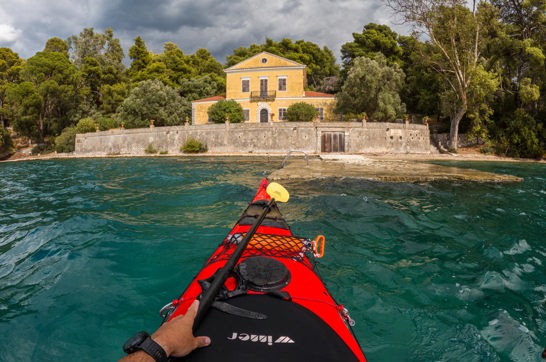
(278, 192)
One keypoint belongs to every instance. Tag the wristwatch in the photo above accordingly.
(143, 341)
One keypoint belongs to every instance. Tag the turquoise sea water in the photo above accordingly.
(90, 250)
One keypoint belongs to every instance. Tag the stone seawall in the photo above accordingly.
(313, 138)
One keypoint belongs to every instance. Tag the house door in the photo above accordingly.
(332, 142)
(263, 87)
(264, 116)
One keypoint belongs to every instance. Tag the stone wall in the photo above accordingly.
(369, 137)
(463, 140)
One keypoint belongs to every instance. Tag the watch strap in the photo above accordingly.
(153, 349)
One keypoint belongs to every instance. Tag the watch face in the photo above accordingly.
(134, 342)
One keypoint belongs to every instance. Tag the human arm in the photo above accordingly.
(175, 337)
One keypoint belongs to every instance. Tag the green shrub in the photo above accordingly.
(351, 117)
(6, 143)
(66, 141)
(150, 149)
(218, 112)
(86, 125)
(488, 148)
(42, 148)
(106, 123)
(301, 112)
(193, 146)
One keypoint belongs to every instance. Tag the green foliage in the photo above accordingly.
(488, 148)
(104, 48)
(10, 69)
(204, 63)
(193, 146)
(6, 143)
(150, 149)
(177, 70)
(53, 80)
(528, 92)
(499, 53)
(199, 87)
(423, 85)
(140, 57)
(456, 36)
(42, 148)
(23, 107)
(301, 112)
(106, 123)
(152, 99)
(350, 117)
(86, 125)
(99, 59)
(372, 86)
(481, 95)
(113, 96)
(66, 141)
(176, 63)
(374, 39)
(521, 137)
(226, 108)
(56, 45)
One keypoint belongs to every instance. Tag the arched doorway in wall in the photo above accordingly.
(264, 116)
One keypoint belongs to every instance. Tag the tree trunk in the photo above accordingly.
(2, 122)
(41, 130)
(454, 129)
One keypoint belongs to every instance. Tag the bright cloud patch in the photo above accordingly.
(8, 33)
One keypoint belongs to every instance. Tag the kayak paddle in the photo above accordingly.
(277, 193)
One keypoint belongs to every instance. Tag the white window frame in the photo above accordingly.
(282, 114)
(242, 85)
(285, 83)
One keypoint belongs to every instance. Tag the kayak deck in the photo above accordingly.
(274, 306)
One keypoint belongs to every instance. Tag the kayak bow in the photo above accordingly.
(271, 304)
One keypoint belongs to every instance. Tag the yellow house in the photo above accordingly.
(265, 85)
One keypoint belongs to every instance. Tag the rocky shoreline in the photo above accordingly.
(375, 167)
(383, 170)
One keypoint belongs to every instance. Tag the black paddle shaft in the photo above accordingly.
(208, 296)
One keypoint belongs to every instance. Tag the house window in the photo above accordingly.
(282, 114)
(245, 85)
(247, 114)
(282, 84)
(263, 86)
(320, 113)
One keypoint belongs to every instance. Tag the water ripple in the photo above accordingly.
(434, 271)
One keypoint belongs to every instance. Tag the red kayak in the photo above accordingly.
(272, 305)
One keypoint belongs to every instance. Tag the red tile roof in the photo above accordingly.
(210, 99)
(318, 94)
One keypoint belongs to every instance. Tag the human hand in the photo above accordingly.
(176, 336)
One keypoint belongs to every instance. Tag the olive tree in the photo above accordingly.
(153, 100)
(373, 87)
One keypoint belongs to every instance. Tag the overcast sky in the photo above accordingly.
(219, 26)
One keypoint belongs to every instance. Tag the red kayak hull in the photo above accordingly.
(305, 288)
